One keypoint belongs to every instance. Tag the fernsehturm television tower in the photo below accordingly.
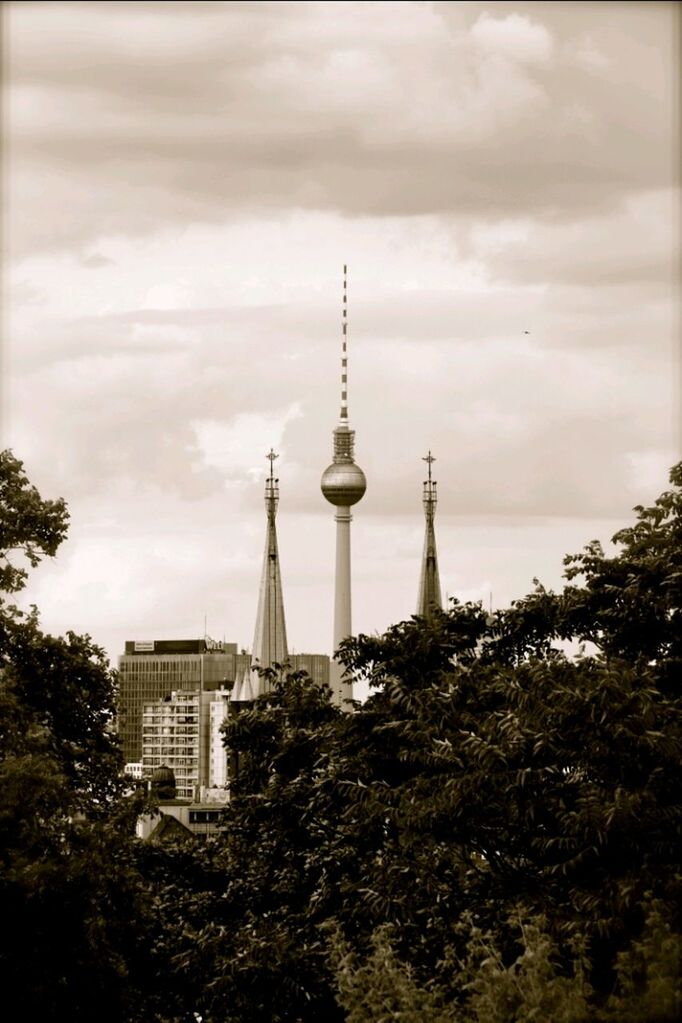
(429, 582)
(270, 636)
(343, 484)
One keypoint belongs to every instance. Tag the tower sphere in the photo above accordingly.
(343, 483)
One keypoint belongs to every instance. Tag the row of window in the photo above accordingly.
(177, 766)
(181, 719)
(154, 729)
(171, 752)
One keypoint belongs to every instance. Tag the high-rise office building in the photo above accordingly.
(181, 731)
(343, 484)
(150, 671)
(170, 738)
(153, 669)
(429, 598)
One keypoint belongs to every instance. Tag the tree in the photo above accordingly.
(68, 885)
(543, 778)
(29, 525)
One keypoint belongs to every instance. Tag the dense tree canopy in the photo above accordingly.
(494, 835)
(491, 779)
(64, 832)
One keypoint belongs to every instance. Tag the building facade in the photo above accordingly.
(182, 731)
(170, 738)
(216, 754)
(158, 684)
(151, 670)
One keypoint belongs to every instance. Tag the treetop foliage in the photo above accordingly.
(29, 525)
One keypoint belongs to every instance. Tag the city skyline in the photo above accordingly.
(183, 185)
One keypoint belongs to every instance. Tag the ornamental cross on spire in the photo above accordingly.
(430, 459)
(271, 458)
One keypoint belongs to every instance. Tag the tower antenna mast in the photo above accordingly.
(343, 416)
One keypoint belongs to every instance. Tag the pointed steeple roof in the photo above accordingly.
(245, 688)
(270, 636)
(237, 690)
(429, 582)
(250, 686)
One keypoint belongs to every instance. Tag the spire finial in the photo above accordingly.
(430, 459)
(344, 352)
(271, 458)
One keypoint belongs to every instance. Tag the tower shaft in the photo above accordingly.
(342, 592)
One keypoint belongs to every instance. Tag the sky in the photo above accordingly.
(183, 183)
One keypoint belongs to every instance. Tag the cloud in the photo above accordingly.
(213, 114)
(185, 182)
(143, 378)
(239, 446)
(148, 567)
(517, 430)
(515, 37)
(631, 244)
(586, 52)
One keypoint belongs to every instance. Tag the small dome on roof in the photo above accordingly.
(163, 782)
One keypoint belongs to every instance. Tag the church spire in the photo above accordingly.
(270, 637)
(429, 583)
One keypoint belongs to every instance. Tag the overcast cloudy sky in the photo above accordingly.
(183, 183)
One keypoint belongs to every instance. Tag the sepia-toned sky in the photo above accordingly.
(182, 185)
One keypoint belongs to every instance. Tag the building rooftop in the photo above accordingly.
(206, 645)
